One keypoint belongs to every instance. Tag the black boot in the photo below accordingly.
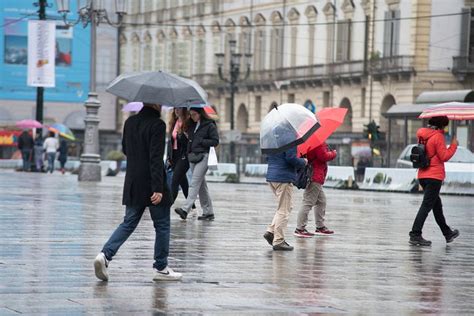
(182, 213)
(451, 236)
(419, 241)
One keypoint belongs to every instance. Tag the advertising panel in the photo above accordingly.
(72, 54)
(41, 53)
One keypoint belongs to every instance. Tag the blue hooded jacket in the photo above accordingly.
(282, 166)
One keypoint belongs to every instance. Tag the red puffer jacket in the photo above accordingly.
(436, 151)
(318, 158)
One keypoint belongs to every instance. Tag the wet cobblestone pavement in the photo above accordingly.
(52, 227)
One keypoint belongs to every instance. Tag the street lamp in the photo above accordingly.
(92, 12)
(232, 79)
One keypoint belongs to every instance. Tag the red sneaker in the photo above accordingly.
(323, 231)
(302, 233)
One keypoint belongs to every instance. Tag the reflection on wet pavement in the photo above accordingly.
(51, 228)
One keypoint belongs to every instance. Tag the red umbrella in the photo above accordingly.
(453, 110)
(211, 112)
(330, 119)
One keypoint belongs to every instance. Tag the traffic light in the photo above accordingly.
(371, 131)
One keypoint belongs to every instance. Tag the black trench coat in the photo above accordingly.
(143, 143)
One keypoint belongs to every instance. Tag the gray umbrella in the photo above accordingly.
(158, 87)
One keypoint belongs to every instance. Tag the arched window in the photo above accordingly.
(347, 125)
(242, 118)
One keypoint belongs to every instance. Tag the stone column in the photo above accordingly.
(90, 159)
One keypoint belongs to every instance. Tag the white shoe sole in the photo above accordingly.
(100, 269)
(167, 277)
(302, 236)
(320, 234)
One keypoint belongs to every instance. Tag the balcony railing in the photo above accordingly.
(463, 65)
(333, 71)
(392, 65)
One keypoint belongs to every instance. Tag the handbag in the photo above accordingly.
(195, 157)
(212, 159)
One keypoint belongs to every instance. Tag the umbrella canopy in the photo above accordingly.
(133, 107)
(158, 87)
(330, 119)
(28, 124)
(211, 112)
(286, 126)
(62, 130)
(453, 110)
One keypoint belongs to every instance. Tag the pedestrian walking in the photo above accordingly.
(202, 134)
(39, 153)
(145, 186)
(177, 151)
(51, 146)
(62, 150)
(431, 179)
(281, 174)
(313, 196)
(25, 145)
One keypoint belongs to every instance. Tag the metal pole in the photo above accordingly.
(90, 159)
(40, 90)
(232, 95)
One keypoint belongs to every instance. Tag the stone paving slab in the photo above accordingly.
(51, 228)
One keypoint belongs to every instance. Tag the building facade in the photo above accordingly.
(362, 55)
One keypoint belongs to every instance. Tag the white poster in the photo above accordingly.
(41, 53)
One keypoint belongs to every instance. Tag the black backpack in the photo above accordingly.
(303, 176)
(418, 155)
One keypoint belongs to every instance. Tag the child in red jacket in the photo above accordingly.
(313, 194)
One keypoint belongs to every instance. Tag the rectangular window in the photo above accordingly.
(291, 98)
(343, 48)
(258, 108)
(294, 47)
(391, 33)
(326, 98)
(330, 43)
(200, 57)
(312, 31)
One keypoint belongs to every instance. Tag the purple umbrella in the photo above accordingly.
(28, 124)
(133, 107)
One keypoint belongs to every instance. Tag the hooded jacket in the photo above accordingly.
(436, 151)
(318, 158)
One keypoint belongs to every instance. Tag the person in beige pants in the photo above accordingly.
(281, 174)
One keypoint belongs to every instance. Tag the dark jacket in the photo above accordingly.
(181, 152)
(282, 166)
(205, 137)
(436, 151)
(25, 141)
(143, 143)
(62, 151)
(318, 158)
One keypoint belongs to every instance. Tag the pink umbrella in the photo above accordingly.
(133, 107)
(28, 124)
(453, 110)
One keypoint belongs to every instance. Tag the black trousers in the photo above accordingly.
(180, 168)
(431, 201)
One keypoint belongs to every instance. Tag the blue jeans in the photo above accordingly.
(51, 158)
(26, 155)
(161, 221)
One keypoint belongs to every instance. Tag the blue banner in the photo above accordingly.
(72, 54)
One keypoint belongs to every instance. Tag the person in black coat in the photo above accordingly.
(145, 186)
(202, 134)
(25, 145)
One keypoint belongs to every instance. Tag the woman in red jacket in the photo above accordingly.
(431, 179)
(313, 194)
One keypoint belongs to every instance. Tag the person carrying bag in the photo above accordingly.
(202, 134)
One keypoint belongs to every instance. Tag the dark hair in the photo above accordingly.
(202, 113)
(439, 121)
(51, 134)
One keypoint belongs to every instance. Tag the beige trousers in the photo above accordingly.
(284, 193)
(313, 197)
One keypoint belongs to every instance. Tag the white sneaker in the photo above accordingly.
(167, 274)
(100, 267)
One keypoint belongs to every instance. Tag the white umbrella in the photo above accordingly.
(286, 126)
